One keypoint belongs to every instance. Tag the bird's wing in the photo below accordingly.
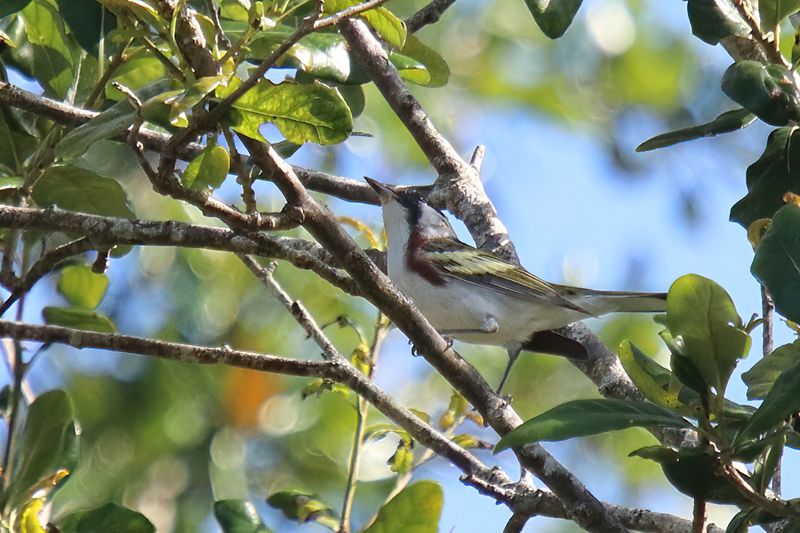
(454, 259)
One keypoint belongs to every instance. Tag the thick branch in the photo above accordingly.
(458, 187)
(111, 231)
(519, 497)
(585, 509)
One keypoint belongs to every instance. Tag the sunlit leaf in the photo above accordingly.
(193, 95)
(762, 376)
(702, 314)
(768, 91)
(652, 379)
(727, 122)
(383, 21)
(29, 521)
(768, 179)
(82, 287)
(208, 169)
(77, 189)
(78, 318)
(109, 517)
(713, 20)
(304, 507)
(553, 16)
(417, 508)
(777, 261)
(302, 113)
(238, 516)
(579, 418)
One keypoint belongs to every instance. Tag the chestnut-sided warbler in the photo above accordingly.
(478, 297)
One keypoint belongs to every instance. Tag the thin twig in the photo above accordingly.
(362, 411)
(769, 47)
(297, 310)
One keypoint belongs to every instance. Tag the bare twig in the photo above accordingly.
(362, 411)
(429, 14)
(297, 310)
(769, 47)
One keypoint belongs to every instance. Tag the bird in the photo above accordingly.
(478, 297)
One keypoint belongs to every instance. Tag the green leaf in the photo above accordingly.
(579, 418)
(139, 71)
(80, 190)
(383, 21)
(302, 113)
(49, 443)
(713, 20)
(109, 517)
(238, 516)
(82, 287)
(9, 7)
(88, 21)
(765, 465)
(774, 11)
(15, 144)
(768, 179)
(776, 264)
(77, 318)
(112, 122)
(415, 509)
(53, 64)
(762, 376)
(768, 91)
(703, 315)
(431, 61)
(410, 69)
(652, 379)
(553, 16)
(725, 123)
(208, 169)
(694, 472)
(304, 507)
(781, 401)
(740, 522)
(180, 104)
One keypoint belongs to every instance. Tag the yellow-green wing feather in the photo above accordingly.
(458, 260)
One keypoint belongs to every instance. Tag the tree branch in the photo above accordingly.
(67, 115)
(110, 231)
(585, 509)
(429, 14)
(295, 308)
(458, 187)
(520, 497)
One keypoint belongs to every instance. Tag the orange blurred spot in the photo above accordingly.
(243, 394)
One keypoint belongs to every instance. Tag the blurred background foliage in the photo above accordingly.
(168, 439)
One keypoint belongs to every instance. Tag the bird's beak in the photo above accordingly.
(385, 194)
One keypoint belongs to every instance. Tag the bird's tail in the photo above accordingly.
(602, 302)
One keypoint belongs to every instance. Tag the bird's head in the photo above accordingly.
(406, 213)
